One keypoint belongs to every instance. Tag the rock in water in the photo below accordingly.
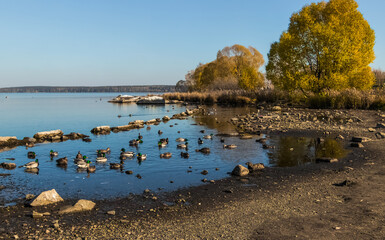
(45, 198)
(240, 170)
(80, 206)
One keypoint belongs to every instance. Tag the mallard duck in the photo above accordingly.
(83, 159)
(107, 150)
(102, 158)
(166, 155)
(222, 140)
(123, 153)
(182, 145)
(33, 164)
(31, 154)
(202, 131)
(231, 146)
(83, 164)
(141, 157)
(208, 136)
(203, 150)
(62, 161)
(200, 141)
(79, 155)
(184, 154)
(140, 136)
(91, 169)
(53, 154)
(162, 144)
(29, 145)
(160, 132)
(134, 142)
(255, 167)
(115, 165)
(181, 139)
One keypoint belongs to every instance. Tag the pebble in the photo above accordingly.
(112, 212)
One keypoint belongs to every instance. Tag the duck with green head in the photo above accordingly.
(33, 164)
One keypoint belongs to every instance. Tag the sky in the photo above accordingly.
(142, 42)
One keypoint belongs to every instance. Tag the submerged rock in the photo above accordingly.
(45, 198)
(8, 166)
(240, 170)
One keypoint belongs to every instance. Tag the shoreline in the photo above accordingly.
(259, 203)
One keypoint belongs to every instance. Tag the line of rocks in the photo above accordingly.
(102, 130)
(40, 137)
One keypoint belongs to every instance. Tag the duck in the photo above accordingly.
(182, 145)
(91, 169)
(166, 155)
(62, 161)
(181, 139)
(79, 155)
(141, 157)
(115, 165)
(160, 132)
(33, 164)
(53, 154)
(222, 140)
(31, 154)
(101, 158)
(83, 165)
(29, 145)
(162, 144)
(140, 136)
(107, 150)
(123, 153)
(202, 131)
(203, 150)
(200, 141)
(83, 159)
(255, 167)
(184, 154)
(208, 136)
(134, 142)
(231, 146)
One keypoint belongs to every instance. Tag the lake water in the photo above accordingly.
(24, 114)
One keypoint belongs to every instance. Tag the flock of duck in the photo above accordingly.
(82, 162)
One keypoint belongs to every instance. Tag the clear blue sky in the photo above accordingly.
(122, 42)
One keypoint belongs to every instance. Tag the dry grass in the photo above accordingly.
(346, 99)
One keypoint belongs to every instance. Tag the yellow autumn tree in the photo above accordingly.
(234, 66)
(328, 45)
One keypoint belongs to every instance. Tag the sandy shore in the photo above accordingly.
(341, 200)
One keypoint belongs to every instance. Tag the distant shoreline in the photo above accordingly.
(60, 89)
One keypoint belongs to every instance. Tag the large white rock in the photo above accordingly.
(48, 134)
(5, 139)
(45, 198)
(80, 206)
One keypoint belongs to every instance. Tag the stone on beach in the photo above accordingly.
(240, 171)
(45, 198)
(80, 206)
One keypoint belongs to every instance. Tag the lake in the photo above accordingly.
(24, 114)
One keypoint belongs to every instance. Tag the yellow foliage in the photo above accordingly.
(327, 46)
(236, 63)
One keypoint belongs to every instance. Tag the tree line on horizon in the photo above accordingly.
(327, 46)
(48, 89)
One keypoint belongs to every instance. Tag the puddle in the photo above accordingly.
(294, 151)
